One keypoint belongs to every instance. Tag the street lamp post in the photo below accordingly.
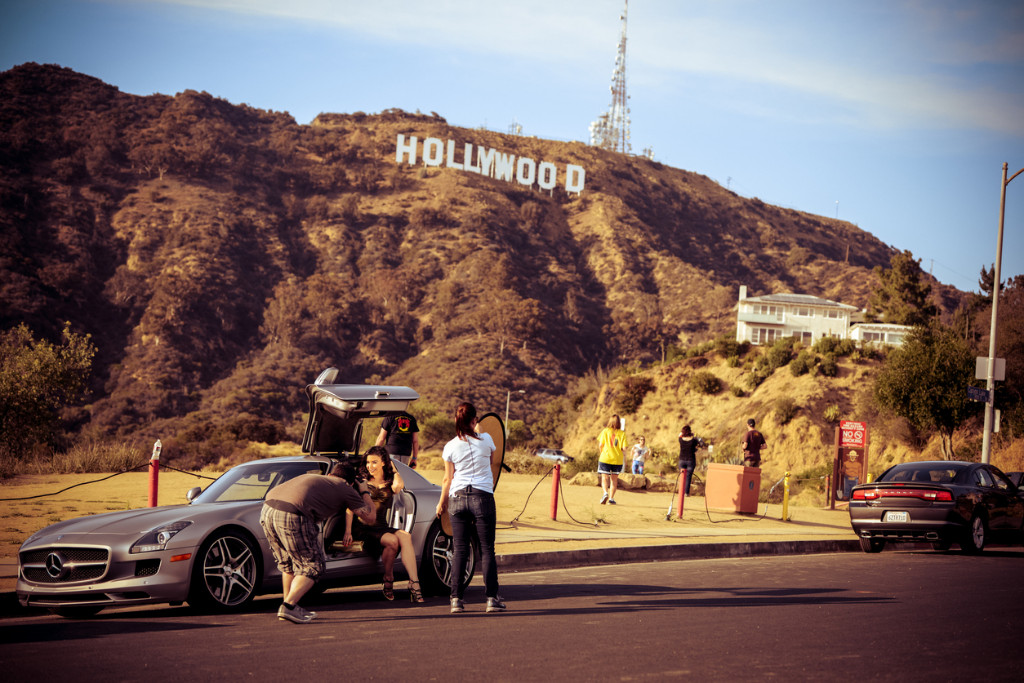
(508, 398)
(990, 384)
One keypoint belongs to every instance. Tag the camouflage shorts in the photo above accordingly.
(294, 541)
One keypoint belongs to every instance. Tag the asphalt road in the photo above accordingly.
(899, 616)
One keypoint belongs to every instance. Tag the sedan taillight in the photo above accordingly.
(930, 495)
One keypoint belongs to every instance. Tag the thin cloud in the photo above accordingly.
(904, 65)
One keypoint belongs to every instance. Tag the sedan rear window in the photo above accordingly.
(925, 475)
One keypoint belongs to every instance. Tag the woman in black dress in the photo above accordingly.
(380, 539)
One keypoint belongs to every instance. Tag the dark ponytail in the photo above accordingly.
(465, 413)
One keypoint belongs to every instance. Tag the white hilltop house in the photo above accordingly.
(879, 333)
(761, 320)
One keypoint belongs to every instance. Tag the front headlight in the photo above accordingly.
(157, 538)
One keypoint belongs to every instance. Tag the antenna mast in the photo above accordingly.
(611, 129)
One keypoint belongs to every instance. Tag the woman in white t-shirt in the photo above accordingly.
(467, 492)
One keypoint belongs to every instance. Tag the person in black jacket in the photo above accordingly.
(687, 454)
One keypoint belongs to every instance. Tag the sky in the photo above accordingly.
(895, 115)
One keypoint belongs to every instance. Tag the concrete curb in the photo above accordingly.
(565, 559)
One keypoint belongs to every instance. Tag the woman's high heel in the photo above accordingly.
(415, 594)
(388, 587)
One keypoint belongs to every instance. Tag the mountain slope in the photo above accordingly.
(221, 256)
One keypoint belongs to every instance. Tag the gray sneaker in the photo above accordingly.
(296, 615)
(495, 605)
(457, 606)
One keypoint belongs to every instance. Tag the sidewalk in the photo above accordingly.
(701, 534)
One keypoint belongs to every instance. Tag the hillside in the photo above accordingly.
(220, 256)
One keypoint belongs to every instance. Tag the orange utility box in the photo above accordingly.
(733, 487)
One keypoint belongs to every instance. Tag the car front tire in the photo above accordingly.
(436, 564)
(974, 538)
(226, 572)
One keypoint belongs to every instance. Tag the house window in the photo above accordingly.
(833, 313)
(764, 335)
(873, 336)
(765, 309)
(805, 338)
(803, 312)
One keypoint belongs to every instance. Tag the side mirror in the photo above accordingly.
(192, 493)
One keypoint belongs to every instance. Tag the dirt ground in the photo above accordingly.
(524, 510)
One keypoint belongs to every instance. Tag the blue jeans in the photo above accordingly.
(689, 466)
(638, 467)
(470, 508)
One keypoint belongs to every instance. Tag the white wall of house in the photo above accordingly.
(762, 320)
(879, 333)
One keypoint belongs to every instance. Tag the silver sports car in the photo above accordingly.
(212, 552)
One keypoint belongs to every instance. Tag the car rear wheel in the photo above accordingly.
(436, 565)
(974, 538)
(872, 545)
(226, 572)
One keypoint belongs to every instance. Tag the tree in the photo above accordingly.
(987, 281)
(37, 379)
(901, 297)
(925, 381)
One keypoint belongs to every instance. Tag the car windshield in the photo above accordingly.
(252, 482)
(940, 473)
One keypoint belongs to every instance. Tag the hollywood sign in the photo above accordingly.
(488, 162)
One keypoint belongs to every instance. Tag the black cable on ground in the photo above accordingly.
(96, 481)
(562, 496)
(512, 524)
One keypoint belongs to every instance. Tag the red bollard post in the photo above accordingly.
(154, 472)
(554, 490)
(682, 494)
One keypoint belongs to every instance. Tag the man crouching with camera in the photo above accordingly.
(291, 515)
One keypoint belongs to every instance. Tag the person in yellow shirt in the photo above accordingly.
(612, 441)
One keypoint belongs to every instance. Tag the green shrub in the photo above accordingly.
(585, 462)
(674, 353)
(633, 390)
(803, 363)
(705, 382)
(828, 366)
(786, 409)
(737, 391)
(756, 376)
(524, 461)
(726, 346)
(832, 413)
(780, 353)
(825, 345)
(733, 361)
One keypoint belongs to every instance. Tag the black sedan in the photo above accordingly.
(942, 502)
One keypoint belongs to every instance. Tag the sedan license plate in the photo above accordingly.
(897, 516)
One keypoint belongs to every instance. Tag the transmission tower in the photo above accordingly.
(611, 129)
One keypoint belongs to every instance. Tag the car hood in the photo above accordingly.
(110, 525)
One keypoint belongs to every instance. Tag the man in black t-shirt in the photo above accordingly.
(400, 435)
(753, 442)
